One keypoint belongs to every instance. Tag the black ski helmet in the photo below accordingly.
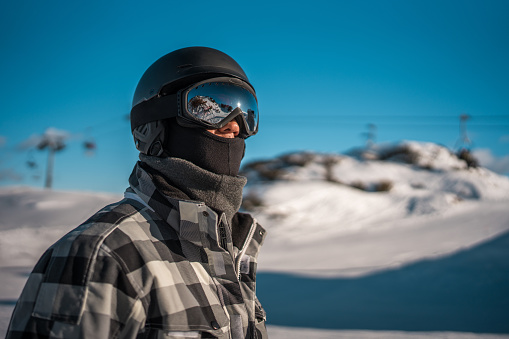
(163, 79)
(181, 68)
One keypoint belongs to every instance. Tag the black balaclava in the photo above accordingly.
(204, 149)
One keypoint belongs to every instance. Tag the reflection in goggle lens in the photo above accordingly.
(213, 102)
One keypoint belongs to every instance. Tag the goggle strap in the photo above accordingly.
(151, 110)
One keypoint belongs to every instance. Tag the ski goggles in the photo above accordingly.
(215, 102)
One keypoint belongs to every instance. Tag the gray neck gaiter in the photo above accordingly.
(223, 193)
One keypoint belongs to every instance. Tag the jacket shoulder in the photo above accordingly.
(66, 268)
(84, 240)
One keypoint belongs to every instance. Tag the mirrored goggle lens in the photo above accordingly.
(212, 102)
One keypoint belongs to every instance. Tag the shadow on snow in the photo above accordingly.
(465, 292)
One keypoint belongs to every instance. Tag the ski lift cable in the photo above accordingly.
(472, 119)
(112, 120)
(110, 133)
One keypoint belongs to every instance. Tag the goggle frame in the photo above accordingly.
(189, 117)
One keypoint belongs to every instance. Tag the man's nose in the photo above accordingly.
(230, 128)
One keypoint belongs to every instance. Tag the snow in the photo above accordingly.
(382, 246)
(435, 195)
(207, 109)
(494, 163)
(278, 332)
(435, 223)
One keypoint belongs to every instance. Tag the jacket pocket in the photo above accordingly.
(261, 317)
(259, 312)
(191, 323)
(162, 334)
(154, 333)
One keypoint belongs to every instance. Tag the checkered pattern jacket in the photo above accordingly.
(149, 266)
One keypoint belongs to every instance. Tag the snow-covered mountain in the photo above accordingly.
(326, 201)
(408, 229)
(206, 108)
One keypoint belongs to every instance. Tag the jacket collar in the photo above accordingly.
(184, 180)
(194, 221)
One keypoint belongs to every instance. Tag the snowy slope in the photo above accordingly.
(31, 220)
(352, 222)
(420, 201)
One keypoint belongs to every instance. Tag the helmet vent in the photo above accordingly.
(185, 66)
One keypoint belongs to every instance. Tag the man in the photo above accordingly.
(174, 258)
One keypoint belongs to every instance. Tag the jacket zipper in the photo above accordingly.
(222, 235)
(244, 247)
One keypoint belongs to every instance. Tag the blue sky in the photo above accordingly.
(323, 71)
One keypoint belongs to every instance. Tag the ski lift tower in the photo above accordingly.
(53, 142)
(370, 136)
(463, 141)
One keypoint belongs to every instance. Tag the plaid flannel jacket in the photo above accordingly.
(148, 266)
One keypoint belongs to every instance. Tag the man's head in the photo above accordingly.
(195, 103)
